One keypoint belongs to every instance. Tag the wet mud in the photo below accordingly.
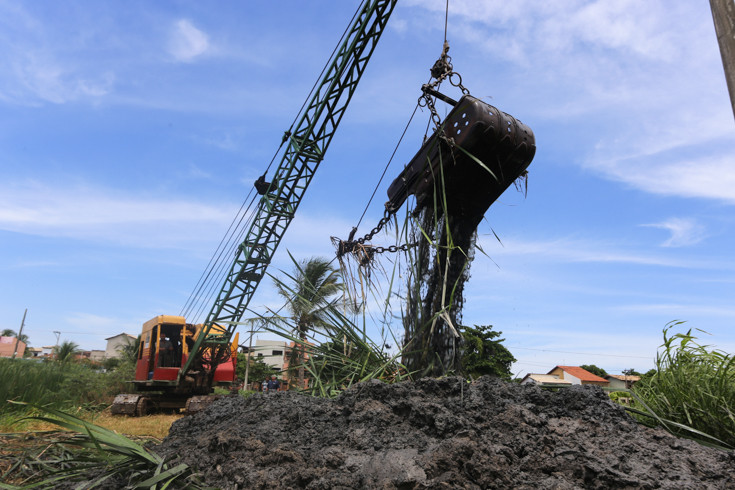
(438, 433)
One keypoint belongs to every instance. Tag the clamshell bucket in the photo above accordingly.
(484, 151)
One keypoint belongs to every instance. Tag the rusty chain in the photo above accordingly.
(441, 71)
(350, 245)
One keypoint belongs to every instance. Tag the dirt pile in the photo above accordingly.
(443, 433)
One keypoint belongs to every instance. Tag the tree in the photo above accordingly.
(309, 295)
(129, 351)
(258, 371)
(597, 371)
(631, 372)
(66, 351)
(482, 354)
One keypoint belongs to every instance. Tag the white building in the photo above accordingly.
(271, 352)
(116, 343)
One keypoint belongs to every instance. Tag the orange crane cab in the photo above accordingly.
(166, 343)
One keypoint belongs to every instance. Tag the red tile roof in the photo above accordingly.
(582, 374)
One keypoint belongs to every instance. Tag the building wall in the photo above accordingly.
(116, 343)
(575, 380)
(565, 376)
(7, 347)
(271, 352)
(97, 355)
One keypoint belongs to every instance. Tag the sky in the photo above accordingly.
(132, 131)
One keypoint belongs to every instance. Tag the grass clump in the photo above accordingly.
(60, 385)
(692, 392)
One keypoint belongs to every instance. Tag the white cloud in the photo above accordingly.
(684, 231)
(710, 177)
(92, 213)
(570, 250)
(43, 78)
(187, 42)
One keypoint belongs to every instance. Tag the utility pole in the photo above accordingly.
(723, 14)
(20, 332)
(247, 366)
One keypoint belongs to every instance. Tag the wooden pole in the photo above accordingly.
(20, 332)
(723, 14)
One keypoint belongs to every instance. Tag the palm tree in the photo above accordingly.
(66, 351)
(313, 285)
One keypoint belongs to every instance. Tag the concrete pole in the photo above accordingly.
(723, 14)
(20, 332)
(247, 366)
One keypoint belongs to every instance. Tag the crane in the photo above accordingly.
(201, 354)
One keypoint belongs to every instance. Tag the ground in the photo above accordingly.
(439, 433)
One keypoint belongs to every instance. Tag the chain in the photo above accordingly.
(348, 246)
(442, 70)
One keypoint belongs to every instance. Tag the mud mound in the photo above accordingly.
(441, 433)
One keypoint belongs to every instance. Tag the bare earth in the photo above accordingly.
(439, 433)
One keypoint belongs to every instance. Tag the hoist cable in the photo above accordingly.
(218, 271)
(388, 165)
(206, 275)
(207, 270)
(321, 74)
(446, 18)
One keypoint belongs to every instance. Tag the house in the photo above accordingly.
(10, 345)
(271, 352)
(92, 355)
(35, 352)
(578, 376)
(116, 343)
(47, 350)
(546, 380)
(277, 354)
(622, 381)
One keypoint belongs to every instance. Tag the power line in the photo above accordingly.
(578, 353)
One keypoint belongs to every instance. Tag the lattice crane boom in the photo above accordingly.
(307, 144)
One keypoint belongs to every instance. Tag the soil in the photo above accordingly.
(439, 433)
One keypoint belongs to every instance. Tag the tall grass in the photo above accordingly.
(694, 386)
(55, 384)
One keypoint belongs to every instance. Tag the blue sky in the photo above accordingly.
(131, 132)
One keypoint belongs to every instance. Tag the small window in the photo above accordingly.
(277, 353)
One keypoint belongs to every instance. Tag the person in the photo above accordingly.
(264, 386)
(273, 384)
(166, 350)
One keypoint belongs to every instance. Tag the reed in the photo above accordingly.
(693, 389)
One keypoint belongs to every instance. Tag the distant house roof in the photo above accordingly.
(120, 335)
(544, 379)
(581, 374)
(624, 377)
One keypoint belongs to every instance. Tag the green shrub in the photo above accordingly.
(693, 385)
